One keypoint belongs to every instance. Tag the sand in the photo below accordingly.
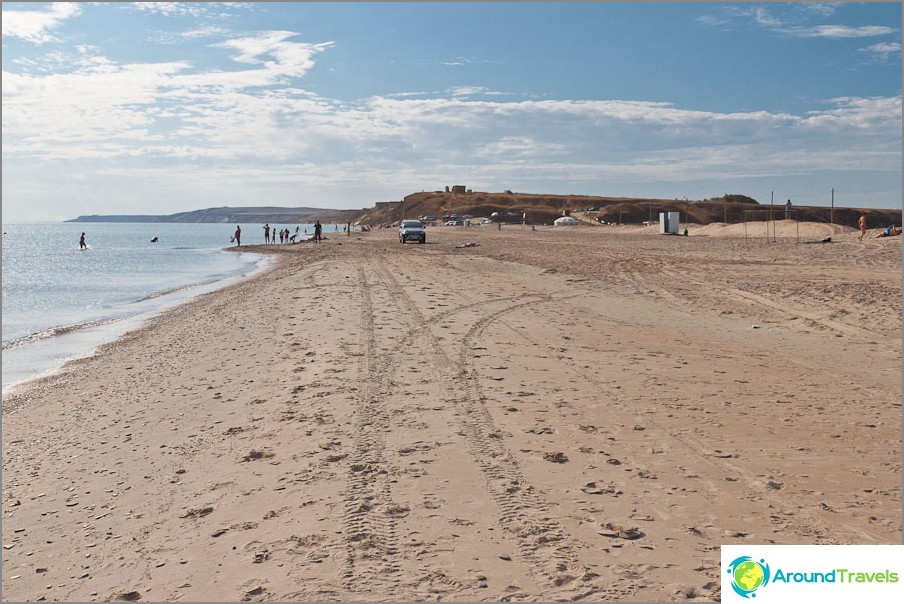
(574, 414)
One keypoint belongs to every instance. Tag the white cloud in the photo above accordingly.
(840, 31)
(463, 91)
(208, 31)
(763, 17)
(171, 37)
(171, 109)
(884, 50)
(169, 9)
(461, 61)
(520, 147)
(794, 23)
(822, 9)
(36, 26)
(712, 20)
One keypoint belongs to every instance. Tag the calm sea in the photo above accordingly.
(60, 303)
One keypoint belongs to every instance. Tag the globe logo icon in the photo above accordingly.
(748, 575)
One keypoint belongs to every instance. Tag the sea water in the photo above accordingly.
(61, 302)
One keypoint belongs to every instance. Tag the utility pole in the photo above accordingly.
(771, 206)
(832, 211)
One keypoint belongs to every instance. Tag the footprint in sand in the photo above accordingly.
(556, 457)
(600, 488)
(131, 596)
(616, 531)
(254, 455)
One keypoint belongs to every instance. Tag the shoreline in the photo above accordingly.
(543, 415)
(65, 344)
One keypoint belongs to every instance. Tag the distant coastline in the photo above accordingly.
(225, 215)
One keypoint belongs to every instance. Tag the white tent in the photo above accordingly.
(567, 221)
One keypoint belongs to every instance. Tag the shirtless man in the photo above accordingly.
(238, 236)
(862, 223)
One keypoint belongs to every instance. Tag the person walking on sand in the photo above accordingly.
(318, 228)
(81, 243)
(862, 224)
(238, 236)
(267, 233)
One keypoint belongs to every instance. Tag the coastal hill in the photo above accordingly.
(539, 208)
(622, 210)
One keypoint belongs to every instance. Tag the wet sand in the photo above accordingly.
(574, 414)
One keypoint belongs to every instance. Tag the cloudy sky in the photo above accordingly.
(160, 107)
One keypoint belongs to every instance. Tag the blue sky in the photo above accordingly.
(156, 107)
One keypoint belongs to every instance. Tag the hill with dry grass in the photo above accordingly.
(544, 209)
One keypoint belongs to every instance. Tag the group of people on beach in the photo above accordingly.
(284, 235)
(270, 234)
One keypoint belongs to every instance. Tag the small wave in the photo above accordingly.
(54, 331)
(174, 290)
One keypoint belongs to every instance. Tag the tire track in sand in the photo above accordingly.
(370, 534)
(524, 514)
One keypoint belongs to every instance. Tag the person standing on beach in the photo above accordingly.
(238, 236)
(862, 224)
(788, 210)
(318, 228)
(81, 242)
(267, 233)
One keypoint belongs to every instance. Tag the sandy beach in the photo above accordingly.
(559, 414)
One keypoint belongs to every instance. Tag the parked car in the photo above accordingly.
(412, 230)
